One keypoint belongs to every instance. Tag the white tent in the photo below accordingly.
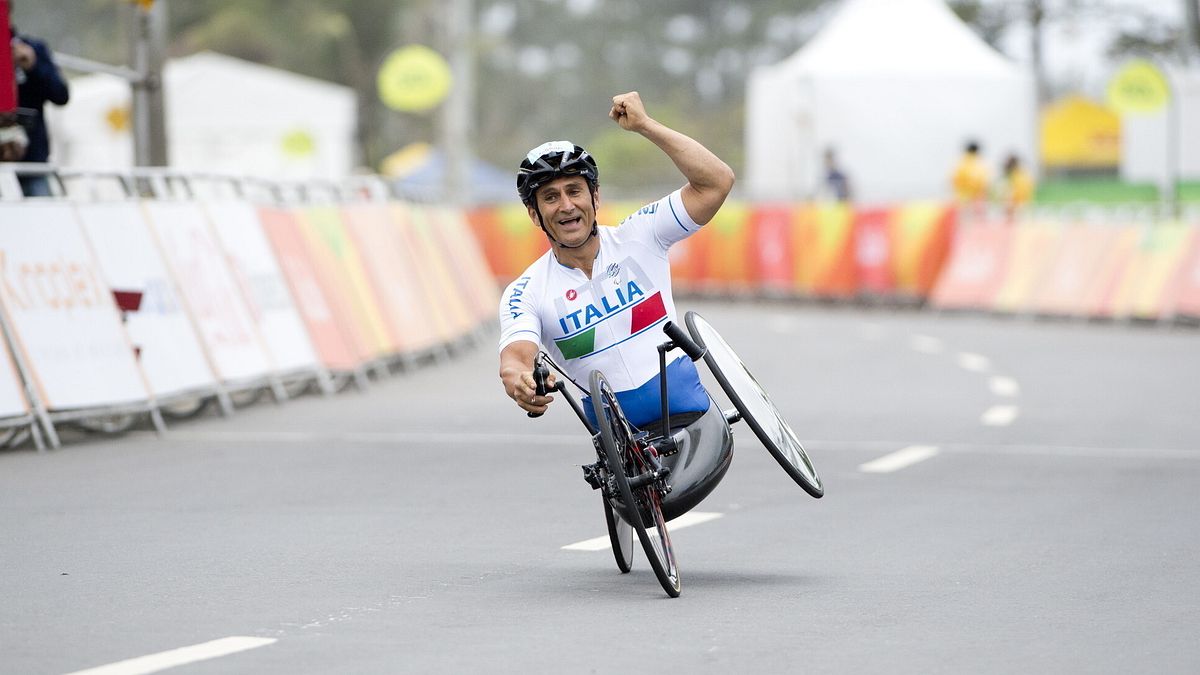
(223, 115)
(1145, 137)
(896, 88)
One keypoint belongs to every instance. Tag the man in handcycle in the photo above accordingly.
(597, 300)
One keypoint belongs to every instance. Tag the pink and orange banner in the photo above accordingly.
(976, 268)
(334, 345)
(915, 250)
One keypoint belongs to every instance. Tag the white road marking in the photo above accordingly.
(177, 657)
(999, 415)
(686, 520)
(1004, 386)
(926, 344)
(976, 363)
(899, 459)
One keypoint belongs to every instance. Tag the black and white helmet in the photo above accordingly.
(551, 160)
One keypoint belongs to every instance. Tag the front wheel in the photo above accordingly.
(643, 505)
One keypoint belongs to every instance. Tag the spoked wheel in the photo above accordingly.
(620, 535)
(642, 501)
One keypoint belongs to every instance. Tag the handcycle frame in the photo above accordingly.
(634, 496)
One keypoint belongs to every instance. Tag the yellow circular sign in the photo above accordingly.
(1139, 87)
(413, 79)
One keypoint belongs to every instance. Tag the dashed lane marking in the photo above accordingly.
(899, 459)
(686, 520)
(1004, 386)
(926, 344)
(999, 415)
(204, 651)
(976, 363)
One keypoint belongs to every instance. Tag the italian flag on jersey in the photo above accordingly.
(637, 317)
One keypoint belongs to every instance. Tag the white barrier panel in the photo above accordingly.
(61, 312)
(12, 396)
(212, 296)
(167, 344)
(241, 235)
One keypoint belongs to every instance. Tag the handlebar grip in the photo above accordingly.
(682, 340)
(540, 373)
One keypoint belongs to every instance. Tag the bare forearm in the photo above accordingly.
(709, 180)
(703, 170)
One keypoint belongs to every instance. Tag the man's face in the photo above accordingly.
(566, 208)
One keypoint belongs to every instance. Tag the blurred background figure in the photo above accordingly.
(970, 180)
(1018, 186)
(837, 183)
(38, 82)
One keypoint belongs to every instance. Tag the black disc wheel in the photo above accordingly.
(620, 535)
(643, 504)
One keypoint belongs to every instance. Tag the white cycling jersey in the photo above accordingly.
(613, 321)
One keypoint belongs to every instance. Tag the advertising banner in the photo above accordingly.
(389, 266)
(920, 234)
(210, 292)
(1101, 293)
(1185, 288)
(339, 267)
(12, 394)
(727, 248)
(873, 252)
(975, 269)
(824, 250)
(163, 335)
(438, 315)
(1072, 270)
(1034, 248)
(62, 313)
(772, 253)
(467, 259)
(330, 337)
(1142, 292)
(485, 224)
(521, 242)
(257, 272)
(450, 293)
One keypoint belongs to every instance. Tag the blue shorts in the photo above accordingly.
(644, 405)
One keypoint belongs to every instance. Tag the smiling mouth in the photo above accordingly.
(571, 221)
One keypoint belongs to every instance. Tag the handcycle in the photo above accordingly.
(648, 477)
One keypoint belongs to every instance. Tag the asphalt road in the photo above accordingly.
(1001, 496)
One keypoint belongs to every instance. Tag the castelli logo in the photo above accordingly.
(571, 294)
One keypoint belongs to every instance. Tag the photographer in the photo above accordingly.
(38, 81)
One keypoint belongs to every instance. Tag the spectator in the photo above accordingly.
(970, 179)
(38, 81)
(1018, 186)
(837, 183)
